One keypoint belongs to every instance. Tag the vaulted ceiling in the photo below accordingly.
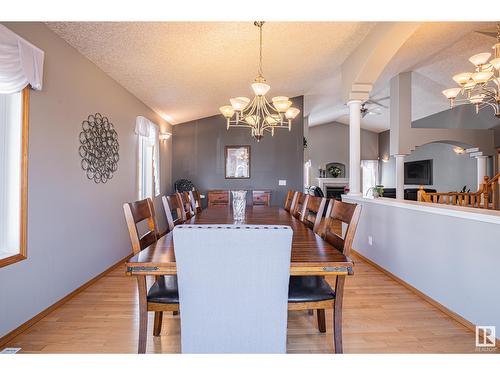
(186, 71)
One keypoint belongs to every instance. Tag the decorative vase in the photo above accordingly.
(239, 204)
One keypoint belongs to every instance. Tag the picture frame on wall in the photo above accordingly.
(237, 161)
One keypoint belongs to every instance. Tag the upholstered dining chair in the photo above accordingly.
(314, 292)
(313, 212)
(196, 201)
(163, 294)
(172, 204)
(233, 287)
(299, 204)
(290, 196)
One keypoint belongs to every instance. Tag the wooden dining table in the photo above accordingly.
(311, 255)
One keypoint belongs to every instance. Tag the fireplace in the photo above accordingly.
(334, 192)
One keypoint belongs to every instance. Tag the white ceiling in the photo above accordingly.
(186, 71)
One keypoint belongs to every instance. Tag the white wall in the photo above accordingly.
(76, 228)
(451, 259)
(330, 143)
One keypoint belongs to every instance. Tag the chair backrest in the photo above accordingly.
(289, 200)
(233, 287)
(313, 212)
(196, 201)
(135, 213)
(173, 205)
(337, 213)
(298, 206)
(187, 204)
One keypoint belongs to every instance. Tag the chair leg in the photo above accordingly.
(337, 314)
(157, 323)
(143, 314)
(321, 320)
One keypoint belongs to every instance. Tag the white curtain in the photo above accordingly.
(369, 171)
(21, 63)
(148, 158)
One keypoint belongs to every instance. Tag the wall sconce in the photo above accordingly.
(385, 158)
(458, 150)
(165, 136)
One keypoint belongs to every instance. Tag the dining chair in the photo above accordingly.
(233, 285)
(187, 204)
(300, 203)
(313, 212)
(314, 292)
(172, 204)
(196, 201)
(163, 294)
(290, 196)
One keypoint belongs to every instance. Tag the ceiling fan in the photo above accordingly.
(374, 107)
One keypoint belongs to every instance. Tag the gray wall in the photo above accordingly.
(76, 228)
(450, 171)
(497, 136)
(330, 143)
(461, 117)
(198, 149)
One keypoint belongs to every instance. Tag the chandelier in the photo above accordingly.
(259, 115)
(481, 87)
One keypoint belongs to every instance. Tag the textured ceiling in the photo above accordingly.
(188, 70)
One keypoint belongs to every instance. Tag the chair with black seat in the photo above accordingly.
(173, 206)
(163, 294)
(290, 196)
(314, 292)
(300, 202)
(196, 201)
(312, 212)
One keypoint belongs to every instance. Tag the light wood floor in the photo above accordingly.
(380, 316)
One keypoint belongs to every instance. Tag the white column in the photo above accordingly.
(400, 178)
(354, 147)
(481, 169)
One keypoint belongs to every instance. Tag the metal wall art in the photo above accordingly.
(99, 148)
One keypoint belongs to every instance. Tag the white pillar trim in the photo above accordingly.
(354, 147)
(481, 169)
(400, 178)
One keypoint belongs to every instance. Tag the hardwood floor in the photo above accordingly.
(380, 316)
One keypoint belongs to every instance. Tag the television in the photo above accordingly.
(418, 172)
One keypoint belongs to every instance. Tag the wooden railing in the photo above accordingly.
(485, 197)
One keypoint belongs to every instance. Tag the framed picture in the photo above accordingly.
(237, 161)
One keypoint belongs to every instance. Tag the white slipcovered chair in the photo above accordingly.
(233, 287)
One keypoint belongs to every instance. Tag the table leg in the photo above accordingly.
(143, 314)
(337, 314)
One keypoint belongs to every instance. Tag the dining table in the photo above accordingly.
(310, 254)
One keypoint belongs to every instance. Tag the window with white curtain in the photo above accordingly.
(21, 69)
(369, 173)
(148, 158)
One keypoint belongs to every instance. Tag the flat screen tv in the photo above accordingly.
(418, 172)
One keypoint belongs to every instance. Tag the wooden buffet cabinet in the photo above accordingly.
(222, 198)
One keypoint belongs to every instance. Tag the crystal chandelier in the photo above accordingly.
(259, 115)
(481, 87)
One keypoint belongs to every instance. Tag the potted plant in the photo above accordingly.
(378, 191)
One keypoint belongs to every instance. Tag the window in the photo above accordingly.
(14, 109)
(148, 158)
(369, 172)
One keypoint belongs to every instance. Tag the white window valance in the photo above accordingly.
(145, 127)
(21, 63)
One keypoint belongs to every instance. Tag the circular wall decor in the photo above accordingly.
(99, 148)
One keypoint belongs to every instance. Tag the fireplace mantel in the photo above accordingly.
(330, 181)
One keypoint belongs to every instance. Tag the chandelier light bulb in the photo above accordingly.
(462, 78)
(239, 103)
(227, 111)
(260, 88)
(496, 63)
(281, 103)
(452, 93)
(481, 77)
(480, 58)
(291, 113)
